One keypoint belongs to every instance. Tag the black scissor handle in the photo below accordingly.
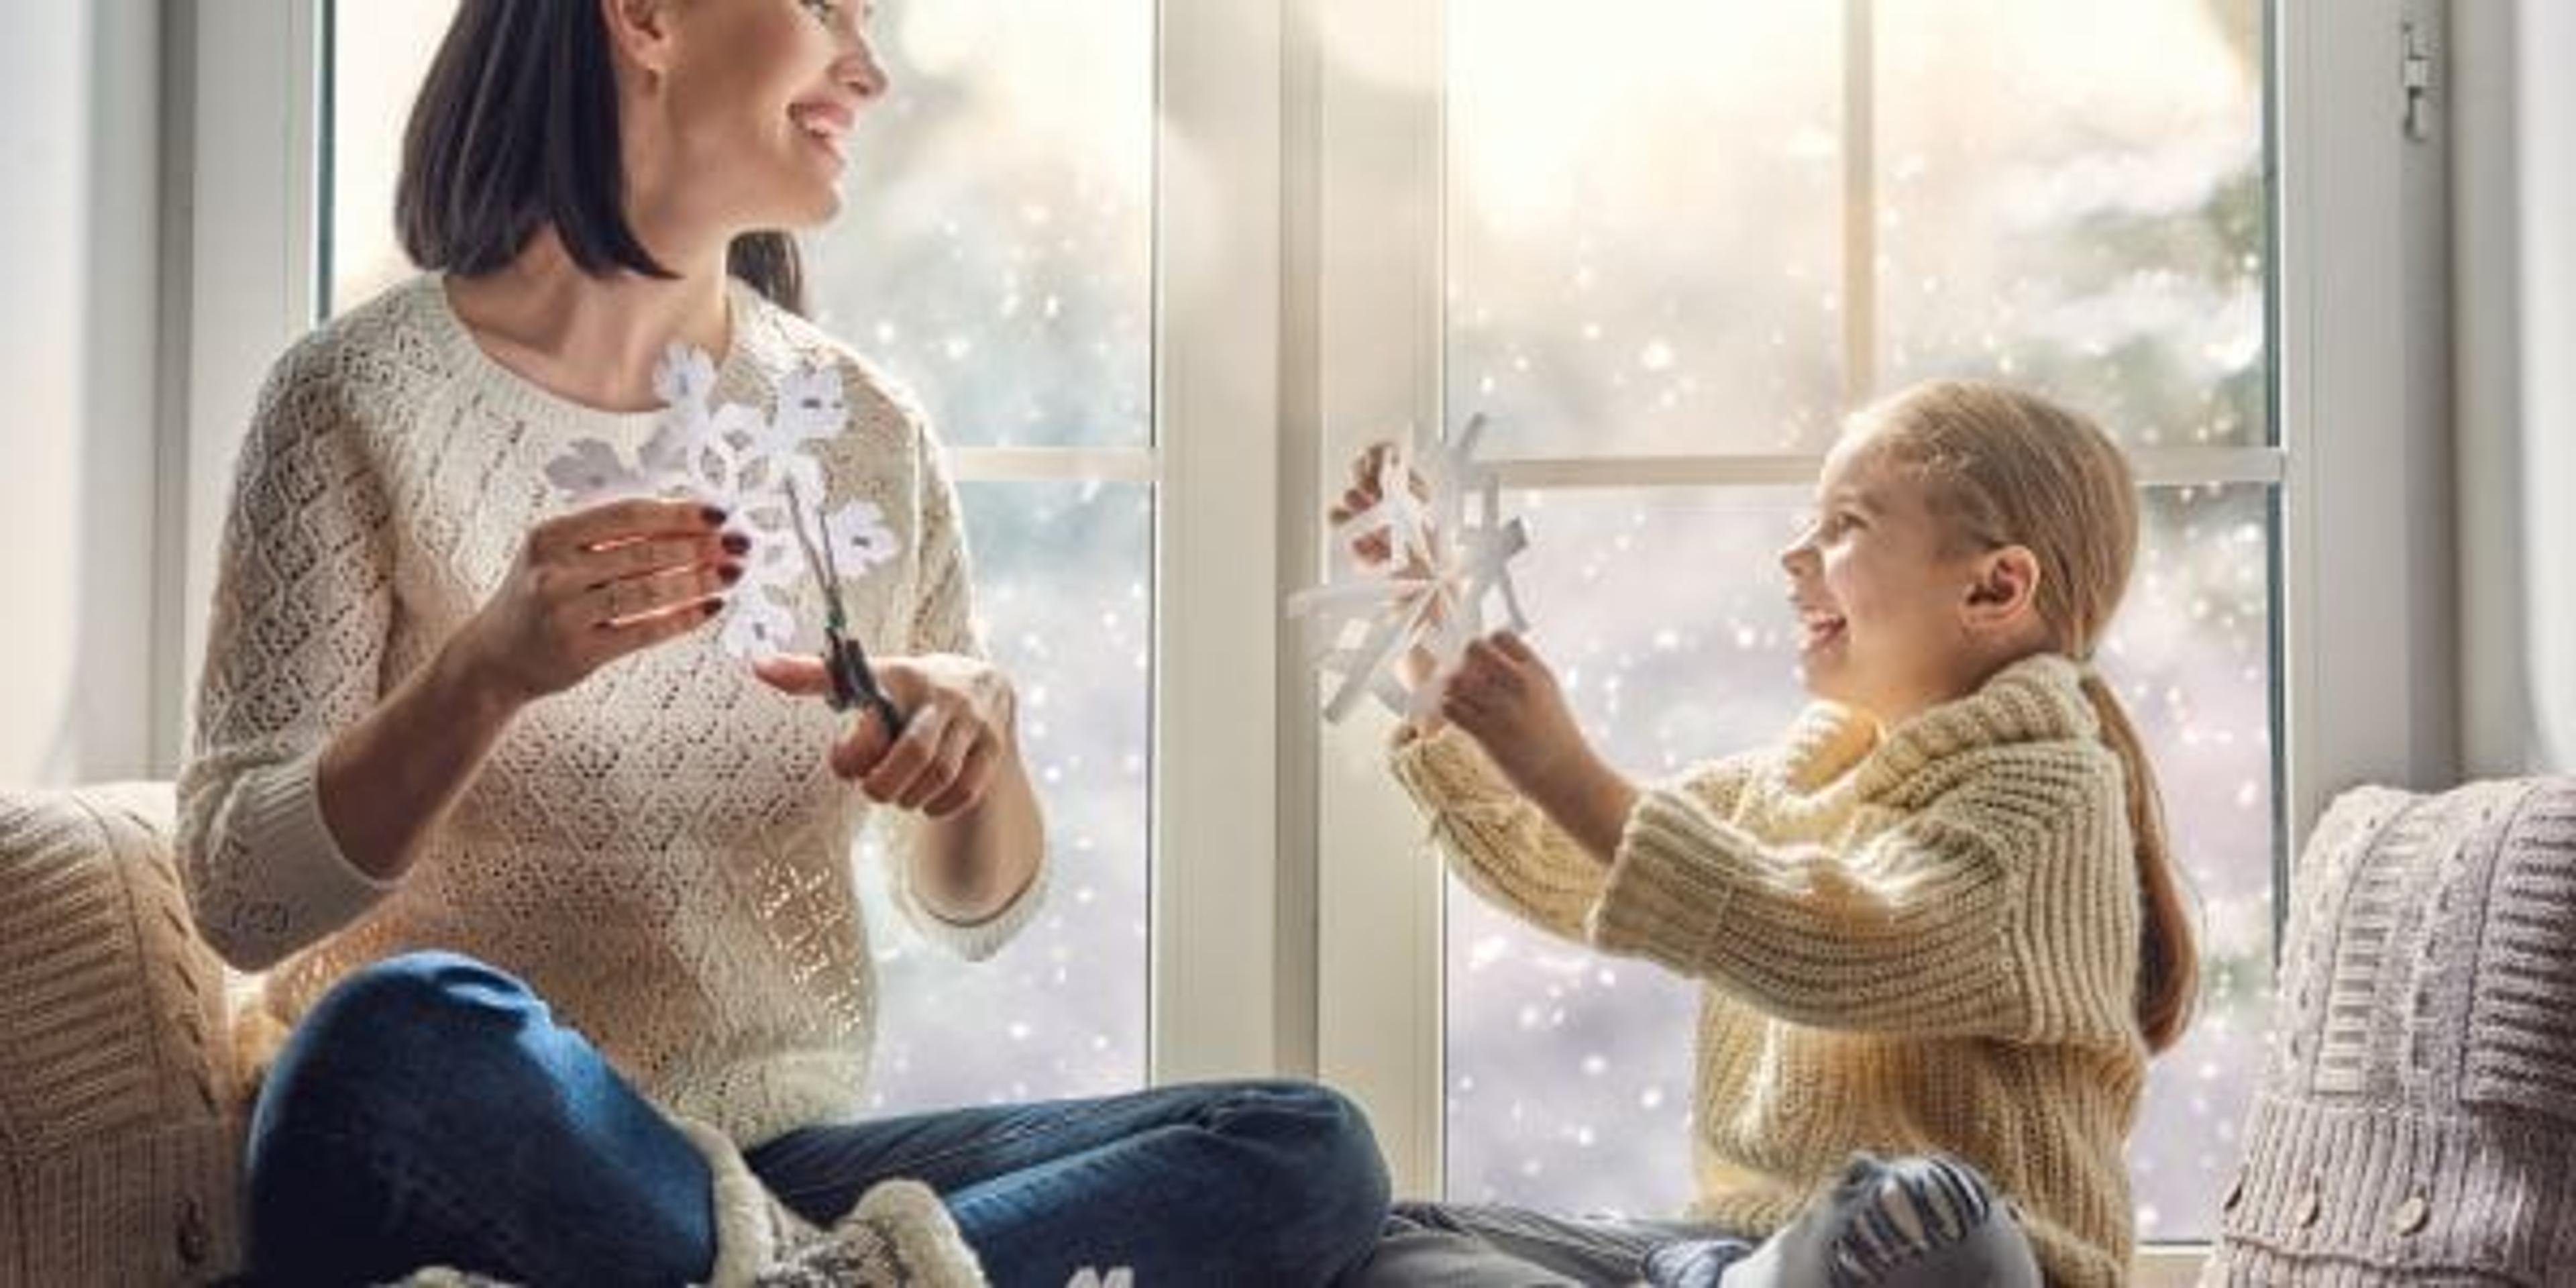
(854, 685)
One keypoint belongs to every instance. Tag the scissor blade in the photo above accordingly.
(818, 559)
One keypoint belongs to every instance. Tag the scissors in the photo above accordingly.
(854, 682)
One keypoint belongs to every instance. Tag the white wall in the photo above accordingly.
(2547, 203)
(78, 97)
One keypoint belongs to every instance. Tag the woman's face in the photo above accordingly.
(747, 127)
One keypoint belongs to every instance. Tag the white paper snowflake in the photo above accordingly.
(737, 458)
(1451, 552)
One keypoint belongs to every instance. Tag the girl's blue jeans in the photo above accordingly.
(430, 1112)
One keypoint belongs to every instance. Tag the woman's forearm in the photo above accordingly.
(972, 864)
(387, 780)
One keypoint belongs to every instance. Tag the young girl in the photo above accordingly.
(556, 894)
(1938, 918)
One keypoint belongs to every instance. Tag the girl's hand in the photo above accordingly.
(959, 723)
(1367, 469)
(1508, 701)
(595, 585)
(1416, 667)
(1505, 697)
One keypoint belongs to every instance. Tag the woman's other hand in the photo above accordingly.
(595, 585)
(959, 721)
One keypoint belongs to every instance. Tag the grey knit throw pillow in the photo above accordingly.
(2416, 1123)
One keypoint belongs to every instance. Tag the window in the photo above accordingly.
(994, 255)
(1675, 245)
(1350, 217)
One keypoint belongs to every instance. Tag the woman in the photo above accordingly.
(556, 891)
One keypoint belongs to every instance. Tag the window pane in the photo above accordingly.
(380, 50)
(1569, 1073)
(2191, 656)
(1063, 578)
(997, 242)
(2072, 197)
(995, 248)
(993, 255)
(1644, 224)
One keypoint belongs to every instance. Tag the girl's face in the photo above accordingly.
(1886, 607)
(749, 127)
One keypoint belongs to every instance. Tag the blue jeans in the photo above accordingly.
(430, 1112)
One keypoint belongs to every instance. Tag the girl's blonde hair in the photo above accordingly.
(2003, 467)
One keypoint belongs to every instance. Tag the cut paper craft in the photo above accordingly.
(735, 457)
(1450, 552)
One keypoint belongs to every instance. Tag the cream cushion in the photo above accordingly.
(121, 1111)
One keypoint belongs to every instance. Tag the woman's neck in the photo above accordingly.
(594, 340)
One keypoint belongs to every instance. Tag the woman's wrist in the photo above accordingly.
(460, 678)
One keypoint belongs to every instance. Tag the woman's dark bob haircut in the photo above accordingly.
(516, 129)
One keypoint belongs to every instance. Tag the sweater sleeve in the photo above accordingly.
(303, 599)
(1503, 847)
(943, 621)
(1997, 910)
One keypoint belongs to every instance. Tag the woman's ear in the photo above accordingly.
(2006, 588)
(640, 31)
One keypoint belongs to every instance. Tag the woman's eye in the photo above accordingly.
(824, 11)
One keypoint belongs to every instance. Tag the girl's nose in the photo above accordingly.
(1799, 553)
(860, 72)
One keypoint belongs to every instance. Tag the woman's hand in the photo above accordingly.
(959, 725)
(1505, 697)
(595, 585)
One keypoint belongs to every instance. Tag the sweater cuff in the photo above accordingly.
(1664, 891)
(978, 940)
(277, 818)
(1446, 772)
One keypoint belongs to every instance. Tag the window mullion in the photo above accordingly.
(1379, 246)
(1860, 204)
(253, 241)
(1217, 246)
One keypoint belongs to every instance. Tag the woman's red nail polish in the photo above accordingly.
(715, 515)
(736, 543)
(730, 573)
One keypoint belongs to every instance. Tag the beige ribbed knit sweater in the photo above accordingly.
(1917, 942)
(661, 851)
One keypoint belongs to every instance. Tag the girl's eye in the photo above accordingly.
(824, 11)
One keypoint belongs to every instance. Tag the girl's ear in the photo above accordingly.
(2006, 588)
(640, 31)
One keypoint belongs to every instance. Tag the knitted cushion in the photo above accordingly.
(120, 1117)
(2417, 1120)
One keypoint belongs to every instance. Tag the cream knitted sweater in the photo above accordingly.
(1917, 942)
(661, 852)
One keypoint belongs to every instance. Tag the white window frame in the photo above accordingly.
(1298, 315)
(2358, 346)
